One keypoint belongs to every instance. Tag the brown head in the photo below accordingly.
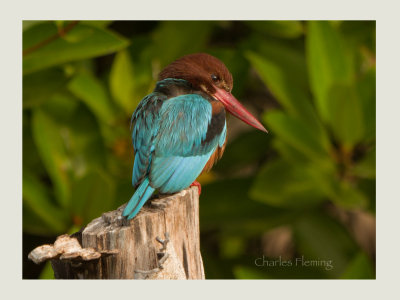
(203, 71)
(209, 74)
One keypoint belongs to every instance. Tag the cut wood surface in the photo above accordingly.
(161, 242)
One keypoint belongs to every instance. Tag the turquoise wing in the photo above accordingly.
(181, 150)
(145, 121)
(171, 145)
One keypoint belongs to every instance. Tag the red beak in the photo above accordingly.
(237, 109)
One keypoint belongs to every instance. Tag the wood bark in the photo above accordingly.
(161, 242)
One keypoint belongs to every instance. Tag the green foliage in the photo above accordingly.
(285, 182)
(359, 268)
(167, 45)
(328, 63)
(53, 154)
(320, 238)
(82, 41)
(94, 95)
(47, 272)
(39, 87)
(280, 29)
(122, 81)
(298, 134)
(37, 199)
(311, 83)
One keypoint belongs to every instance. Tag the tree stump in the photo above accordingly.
(161, 242)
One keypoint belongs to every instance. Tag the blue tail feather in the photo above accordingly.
(139, 198)
(149, 191)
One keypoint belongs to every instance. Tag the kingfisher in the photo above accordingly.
(179, 130)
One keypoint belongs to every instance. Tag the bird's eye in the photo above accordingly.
(215, 78)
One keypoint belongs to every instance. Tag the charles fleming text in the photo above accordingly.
(296, 262)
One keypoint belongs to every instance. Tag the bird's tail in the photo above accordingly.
(139, 198)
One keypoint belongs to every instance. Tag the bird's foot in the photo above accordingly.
(196, 183)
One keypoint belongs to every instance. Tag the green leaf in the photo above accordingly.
(368, 188)
(168, 45)
(283, 70)
(86, 148)
(124, 191)
(347, 195)
(245, 272)
(366, 167)
(52, 151)
(299, 135)
(94, 95)
(282, 184)
(289, 153)
(40, 86)
(328, 63)
(61, 107)
(320, 239)
(232, 245)
(367, 93)
(143, 64)
(47, 272)
(44, 47)
(295, 182)
(28, 24)
(288, 65)
(214, 266)
(291, 269)
(360, 41)
(97, 23)
(281, 29)
(122, 82)
(36, 197)
(69, 142)
(359, 268)
(30, 156)
(81, 134)
(35, 225)
(92, 195)
(226, 205)
(359, 33)
(346, 115)
(254, 143)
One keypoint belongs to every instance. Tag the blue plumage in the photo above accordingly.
(142, 193)
(179, 130)
(172, 140)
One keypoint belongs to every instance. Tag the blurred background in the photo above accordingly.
(305, 191)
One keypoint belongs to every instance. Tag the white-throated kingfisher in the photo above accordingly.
(179, 130)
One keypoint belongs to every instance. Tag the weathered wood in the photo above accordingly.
(161, 242)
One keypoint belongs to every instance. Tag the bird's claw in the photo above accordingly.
(196, 183)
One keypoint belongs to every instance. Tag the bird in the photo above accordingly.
(179, 130)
